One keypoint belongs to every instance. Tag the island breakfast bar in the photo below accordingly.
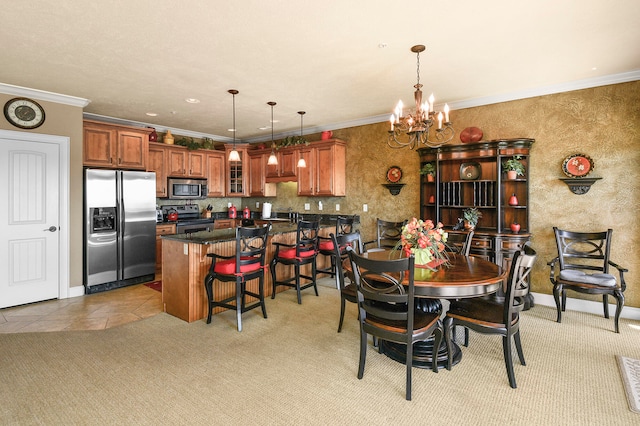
(185, 265)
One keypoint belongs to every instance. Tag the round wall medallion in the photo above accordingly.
(24, 113)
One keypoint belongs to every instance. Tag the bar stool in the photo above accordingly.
(245, 265)
(344, 225)
(303, 252)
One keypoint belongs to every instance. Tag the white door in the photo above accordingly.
(29, 220)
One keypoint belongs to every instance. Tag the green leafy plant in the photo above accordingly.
(428, 169)
(472, 215)
(292, 141)
(514, 165)
(190, 143)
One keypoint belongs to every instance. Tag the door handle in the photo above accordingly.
(51, 229)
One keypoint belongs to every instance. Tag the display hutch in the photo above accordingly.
(472, 175)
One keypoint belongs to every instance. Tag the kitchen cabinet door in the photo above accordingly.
(116, 147)
(158, 164)
(216, 173)
(99, 145)
(176, 162)
(258, 187)
(197, 164)
(132, 149)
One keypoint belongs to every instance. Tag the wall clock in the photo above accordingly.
(24, 113)
(394, 174)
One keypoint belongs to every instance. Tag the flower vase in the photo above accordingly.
(425, 259)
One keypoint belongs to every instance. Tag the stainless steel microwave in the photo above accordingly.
(186, 188)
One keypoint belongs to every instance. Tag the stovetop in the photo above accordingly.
(187, 214)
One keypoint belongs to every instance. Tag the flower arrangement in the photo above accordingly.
(425, 240)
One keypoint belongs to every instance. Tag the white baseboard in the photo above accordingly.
(75, 291)
(588, 306)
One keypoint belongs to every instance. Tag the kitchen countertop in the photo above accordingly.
(228, 234)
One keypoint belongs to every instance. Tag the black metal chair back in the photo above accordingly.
(386, 308)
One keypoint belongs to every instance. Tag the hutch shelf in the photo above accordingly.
(471, 175)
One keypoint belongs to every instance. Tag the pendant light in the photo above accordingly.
(273, 160)
(301, 162)
(233, 155)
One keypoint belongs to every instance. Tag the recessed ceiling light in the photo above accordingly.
(275, 121)
(382, 45)
(152, 114)
(231, 130)
(193, 100)
(264, 128)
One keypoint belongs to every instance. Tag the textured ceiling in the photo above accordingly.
(129, 57)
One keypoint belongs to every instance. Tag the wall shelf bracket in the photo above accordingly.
(394, 188)
(580, 186)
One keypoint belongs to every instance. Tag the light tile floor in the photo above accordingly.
(90, 312)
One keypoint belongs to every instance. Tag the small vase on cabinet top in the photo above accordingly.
(515, 227)
(168, 138)
(513, 201)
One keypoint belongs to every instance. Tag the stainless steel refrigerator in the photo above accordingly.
(119, 228)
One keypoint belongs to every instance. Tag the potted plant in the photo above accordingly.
(513, 167)
(471, 216)
(429, 170)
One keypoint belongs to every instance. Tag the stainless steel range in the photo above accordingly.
(188, 220)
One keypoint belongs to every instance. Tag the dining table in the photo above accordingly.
(461, 277)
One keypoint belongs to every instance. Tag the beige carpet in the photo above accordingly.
(294, 368)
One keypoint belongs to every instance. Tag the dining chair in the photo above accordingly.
(248, 263)
(348, 291)
(490, 316)
(388, 234)
(459, 242)
(303, 252)
(386, 308)
(582, 265)
(344, 225)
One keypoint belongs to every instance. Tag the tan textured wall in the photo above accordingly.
(603, 123)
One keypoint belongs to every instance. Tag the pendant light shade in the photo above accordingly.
(273, 160)
(301, 161)
(233, 155)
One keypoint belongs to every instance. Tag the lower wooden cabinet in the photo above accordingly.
(162, 229)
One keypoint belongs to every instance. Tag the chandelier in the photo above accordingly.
(413, 129)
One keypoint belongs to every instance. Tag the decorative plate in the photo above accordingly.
(577, 165)
(394, 174)
(469, 171)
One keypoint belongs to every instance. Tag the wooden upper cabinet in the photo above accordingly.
(176, 162)
(237, 171)
(216, 173)
(285, 170)
(117, 147)
(158, 163)
(258, 186)
(197, 164)
(325, 171)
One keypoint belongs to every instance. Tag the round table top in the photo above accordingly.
(466, 276)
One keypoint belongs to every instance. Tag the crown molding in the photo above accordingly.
(161, 129)
(42, 95)
(513, 96)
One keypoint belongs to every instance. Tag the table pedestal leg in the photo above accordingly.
(423, 351)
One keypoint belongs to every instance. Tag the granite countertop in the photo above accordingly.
(228, 234)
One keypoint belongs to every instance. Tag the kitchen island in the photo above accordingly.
(185, 265)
